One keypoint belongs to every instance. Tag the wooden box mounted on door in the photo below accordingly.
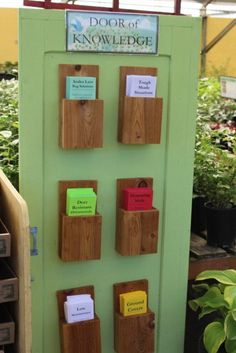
(136, 231)
(79, 236)
(133, 334)
(79, 337)
(81, 121)
(140, 118)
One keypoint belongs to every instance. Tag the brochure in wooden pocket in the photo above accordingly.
(78, 337)
(135, 333)
(79, 236)
(81, 120)
(140, 118)
(136, 230)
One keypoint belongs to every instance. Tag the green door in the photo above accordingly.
(43, 163)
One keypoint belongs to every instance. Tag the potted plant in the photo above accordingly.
(215, 178)
(218, 297)
(198, 221)
(218, 183)
(214, 172)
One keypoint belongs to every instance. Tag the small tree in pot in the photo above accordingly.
(219, 297)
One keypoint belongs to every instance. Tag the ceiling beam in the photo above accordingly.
(219, 36)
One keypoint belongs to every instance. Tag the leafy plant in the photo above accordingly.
(215, 175)
(9, 140)
(211, 106)
(215, 146)
(9, 68)
(219, 298)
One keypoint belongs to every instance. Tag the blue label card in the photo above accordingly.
(78, 87)
(112, 32)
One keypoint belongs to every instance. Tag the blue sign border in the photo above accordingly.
(155, 33)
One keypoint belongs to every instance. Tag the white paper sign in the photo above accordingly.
(141, 86)
(228, 87)
(79, 308)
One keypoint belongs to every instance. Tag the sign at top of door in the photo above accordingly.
(112, 33)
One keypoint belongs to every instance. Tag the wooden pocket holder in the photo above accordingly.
(5, 241)
(79, 337)
(9, 285)
(81, 121)
(133, 334)
(140, 118)
(79, 236)
(7, 327)
(136, 231)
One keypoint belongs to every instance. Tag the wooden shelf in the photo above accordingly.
(204, 257)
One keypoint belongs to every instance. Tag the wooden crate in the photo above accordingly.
(7, 327)
(5, 240)
(14, 214)
(8, 283)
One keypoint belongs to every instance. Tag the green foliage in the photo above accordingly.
(211, 106)
(9, 68)
(215, 148)
(9, 140)
(219, 297)
(215, 174)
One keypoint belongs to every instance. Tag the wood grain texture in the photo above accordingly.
(203, 257)
(200, 249)
(140, 118)
(81, 121)
(7, 328)
(79, 236)
(14, 213)
(81, 337)
(82, 124)
(5, 241)
(136, 231)
(133, 334)
(215, 263)
(76, 70)
(9, 284)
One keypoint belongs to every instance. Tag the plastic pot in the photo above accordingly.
(221, 225)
